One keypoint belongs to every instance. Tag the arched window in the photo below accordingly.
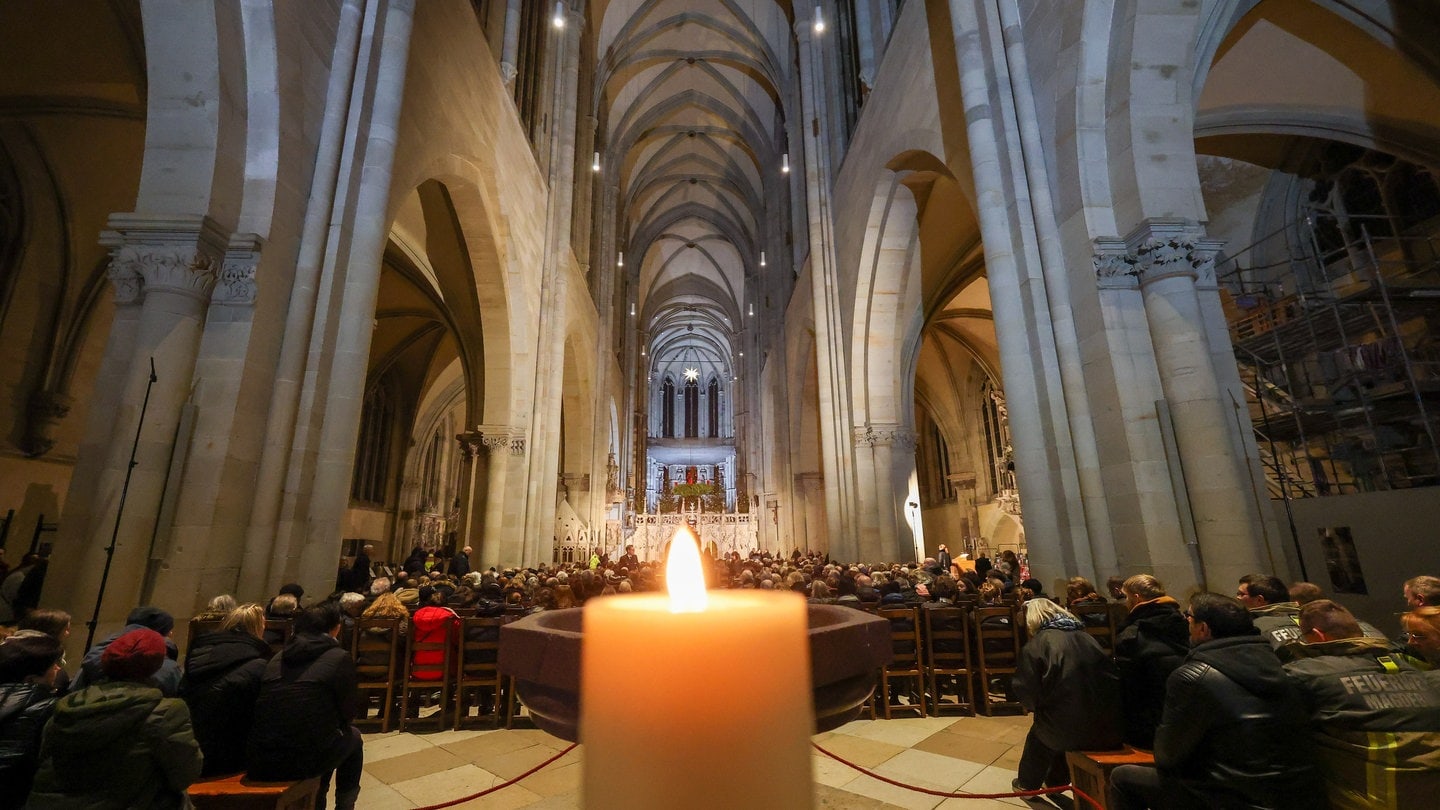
(667, 409)
(692, 409)
(714, 408)
(372, 449)
(430, 482)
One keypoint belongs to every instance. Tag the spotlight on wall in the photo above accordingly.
(559, 19)
(785, 163)
(752, 310)
(632, 309)
(620, 259)
(819, 20)
(762, 258)
(595, 163)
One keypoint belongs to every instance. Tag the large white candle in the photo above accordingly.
(696, 700)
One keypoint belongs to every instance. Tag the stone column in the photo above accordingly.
(535, 537)
(1171, 256)
(167, 265)
(836, 452)
(510, 49)
(1045, 463)
(504, 539)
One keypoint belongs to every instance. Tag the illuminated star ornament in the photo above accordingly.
(692, 374)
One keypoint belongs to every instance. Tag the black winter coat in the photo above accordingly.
(24, 708)
(1152, 644)
(306, 703)
(221, 683)
(1068, 681)
(1235, 733)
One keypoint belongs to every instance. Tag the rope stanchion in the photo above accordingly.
(1014, 794)
(501, 786)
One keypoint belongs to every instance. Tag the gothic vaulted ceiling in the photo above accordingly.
(691, 98)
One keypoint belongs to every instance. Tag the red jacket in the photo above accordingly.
(429, 625)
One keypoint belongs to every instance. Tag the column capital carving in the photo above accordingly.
(1168, 248)
(884, 435)
(492, 439)
(1115, 265)
(235, 285)
(175, 253)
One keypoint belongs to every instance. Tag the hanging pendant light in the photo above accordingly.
(559, 19)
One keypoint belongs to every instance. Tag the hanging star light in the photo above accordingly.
(692, 374)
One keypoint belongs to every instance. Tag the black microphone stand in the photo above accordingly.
(120, 510)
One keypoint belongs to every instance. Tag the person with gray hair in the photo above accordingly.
(1069, 683)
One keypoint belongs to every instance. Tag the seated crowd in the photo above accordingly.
(1242, 699)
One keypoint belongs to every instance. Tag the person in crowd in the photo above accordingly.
(13, 601)
(378, 586)
(388, 606)
(284, 607)
(166, 676)
(1422, 591)
(1115, 587)
(982, 565)
(217, 608)
(1268, 600)
(119, 742)
(221, 683)
(414, 564)
(460, 563)
(433, 623)
(360, 570)
(351, 606)
(1379, 745)
(28, 668)
(54, 623)
(1080, 591)
(1422, 634)
(1234, 730)
(1069, 683)
(943, 560)
(1302, 593)
(1152, 642)
(630, 562)
(302, 721)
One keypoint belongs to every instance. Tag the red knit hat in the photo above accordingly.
(134, 656)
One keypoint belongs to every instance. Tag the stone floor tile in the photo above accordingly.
(863, 752)
(406, 767)
(393, 744)
(924, 769)
(959, 746)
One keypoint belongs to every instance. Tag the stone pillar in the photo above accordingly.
(884, 464)
(1045, 464)
(1171, 256)
(510, 50)
(535, 538)
(167, 265)
(503, 539)
(836, 451)
(472, 481)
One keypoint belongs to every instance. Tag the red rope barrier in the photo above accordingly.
(501, 786)
(1018, 794)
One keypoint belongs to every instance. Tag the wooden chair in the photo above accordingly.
(417, 677)
(1099, 621)
(997, 649)
(199, 627)
(947, 655)
(375, 646)
(478, 680)
(1090, 770)
(905, 666)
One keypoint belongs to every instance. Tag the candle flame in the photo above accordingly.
(683, 576)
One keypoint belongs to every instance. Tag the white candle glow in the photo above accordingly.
(695, 699)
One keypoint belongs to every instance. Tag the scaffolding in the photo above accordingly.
(1334, 324)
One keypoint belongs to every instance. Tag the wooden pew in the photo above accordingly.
(235, 792)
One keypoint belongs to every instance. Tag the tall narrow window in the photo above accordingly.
(714, 408)
(692, 409)
(372, 449)
(994, 438)
(667, 409)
